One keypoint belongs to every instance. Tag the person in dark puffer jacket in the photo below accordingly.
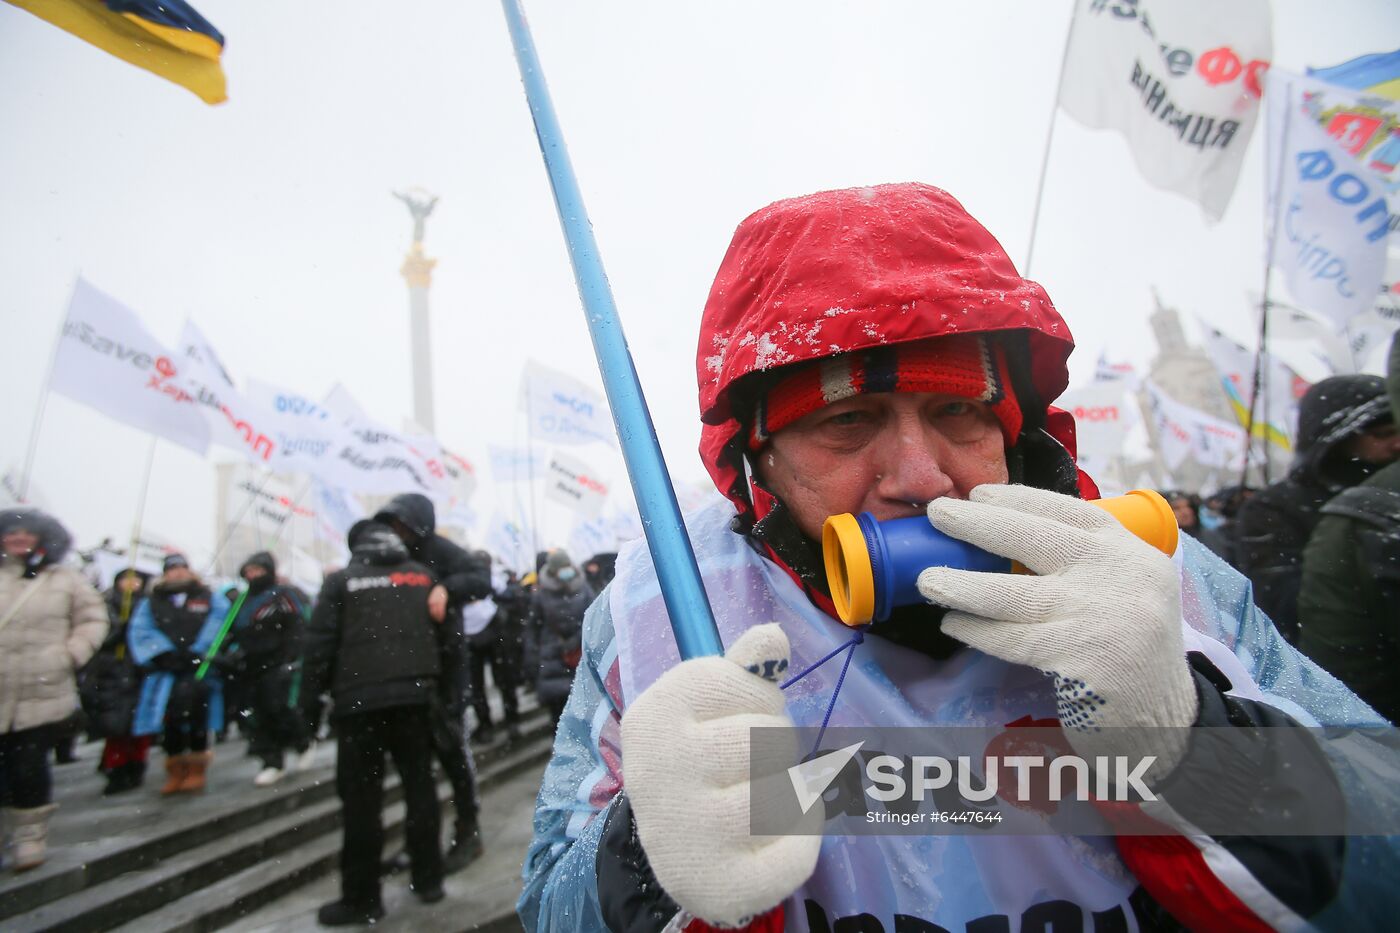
(1340, 420)
(462, 578)
(1349, 604)
(557, 610)
(263, 658)
(379, 649)
(109, 686)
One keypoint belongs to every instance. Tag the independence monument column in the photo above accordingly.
(418, 273)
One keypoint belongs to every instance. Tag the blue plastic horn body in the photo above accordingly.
(902, 548)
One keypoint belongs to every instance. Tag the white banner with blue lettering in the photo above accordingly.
(1330, 218)
(562, 409)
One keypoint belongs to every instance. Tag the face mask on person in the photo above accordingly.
(1209, 518)
(567, 574)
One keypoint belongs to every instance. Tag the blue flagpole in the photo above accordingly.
(671, 553)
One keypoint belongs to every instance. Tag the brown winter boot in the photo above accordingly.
(176, 767)
(195, 764)
(29, 833)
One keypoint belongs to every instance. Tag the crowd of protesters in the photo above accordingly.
(392, 656)
(388, 658)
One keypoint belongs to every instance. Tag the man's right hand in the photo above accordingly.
(685, 751)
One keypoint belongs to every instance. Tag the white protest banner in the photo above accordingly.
(509, 541)
(261, 503)
(1103, 415)
(461, 474)
(1313, 335)
(235, 421)
(589, 537)
(1328, 214)
(334, 440)
(1370, 333)
(571, 482)
(1106, 371)
(1184, 432)
(1180, 79)
(516, 464)
(562, 409)
(108, 361)
(335, 511)
(1277, 410)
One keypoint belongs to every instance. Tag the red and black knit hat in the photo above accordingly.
(969, 366)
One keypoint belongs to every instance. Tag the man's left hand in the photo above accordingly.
(1102, 614)
(437, 603)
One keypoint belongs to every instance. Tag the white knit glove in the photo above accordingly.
(1102, 614)
(685, 755)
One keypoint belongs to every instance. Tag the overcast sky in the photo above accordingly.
(269, 219)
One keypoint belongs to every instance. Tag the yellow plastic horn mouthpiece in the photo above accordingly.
(872, 566)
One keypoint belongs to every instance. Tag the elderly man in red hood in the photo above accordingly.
(874, 350)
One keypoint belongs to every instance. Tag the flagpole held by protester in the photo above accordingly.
(681, 586)
(1257, 381)
(1049, 139)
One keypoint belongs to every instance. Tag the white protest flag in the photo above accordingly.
(261, 504)
(1328, 214)
(107, 360)
(307, 434)
(1180, 79)
(335, 511)
(516, 464)
(508, 540)
(573, 483)
(563, 410)
(1102, 418)
(1311, 336)
(1277, 411)
(342, 446)
(591, 536)
(1370, 333)
(1106, 371)
(235, 421)
(1183, 431)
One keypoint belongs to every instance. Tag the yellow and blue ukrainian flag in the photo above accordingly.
(165, 37)
(1378, 73)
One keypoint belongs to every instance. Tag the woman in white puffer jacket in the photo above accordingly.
(51, 623)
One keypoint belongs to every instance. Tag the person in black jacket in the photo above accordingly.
(262, 659)
(381, 649)
(1343, 422)
(462, 578)
(492, 639)
(109, 686)
(556, 623)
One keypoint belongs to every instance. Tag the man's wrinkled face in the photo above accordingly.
(888, 454)
(1378, 444)
(19, 542)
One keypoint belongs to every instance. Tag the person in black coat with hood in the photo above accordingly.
(462, 578)
(1336, 419)
(556, 623)
(380, 649)
(262, 659)
(110, 685)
